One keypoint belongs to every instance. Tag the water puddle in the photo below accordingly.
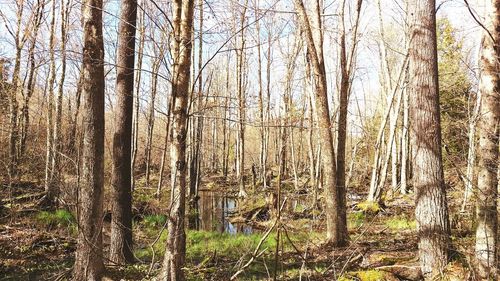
(215, 212)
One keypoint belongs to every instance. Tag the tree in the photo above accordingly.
(486, 204)
(335, 197)
(50, 187)
(121, 220)
(88, 258)
(346, 66)
(181, 53)
(428, 179)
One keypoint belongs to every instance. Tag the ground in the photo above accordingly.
(39, 244)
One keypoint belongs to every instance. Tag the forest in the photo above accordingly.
(249, 140)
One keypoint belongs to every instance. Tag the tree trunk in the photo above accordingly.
(50, 186)
(140, 55)
(88, 257)
(431, 206)
(346, 65)
(405, 140)
(335, 196)
(488, 129)
(181, 52)
(240, 53)
(57, 142)
(25, 116)
(151, 114)
(121, 219)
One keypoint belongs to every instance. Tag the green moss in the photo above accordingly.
(401, 223)
(370, 275)
(369, 207)
(355, 220)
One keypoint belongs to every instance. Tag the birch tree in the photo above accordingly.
(181, 52)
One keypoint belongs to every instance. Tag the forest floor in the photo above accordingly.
(39, 244)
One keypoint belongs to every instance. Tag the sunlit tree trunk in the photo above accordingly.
(151, 113)
(88, 256)
(181, 52)
(405, 141)
(240, 67)
(50, 186)
(433, 229)
(140, 55)
(488, 129)
(346, 65)
(121, 218)
(471, 153)
(335, 197)
(57, 142)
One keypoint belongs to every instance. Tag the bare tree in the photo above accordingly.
(121, 219)
(181, 52)
(88, 258)
(488, 129)
(50, 186)
(335, 196)
(431, 205)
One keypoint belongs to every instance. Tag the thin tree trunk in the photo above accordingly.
(240, 167)
(431, 209)
(25, 116)
(57, 142)
(197, 128)
(346, 65)
(471, 154)
(50, 186)
(88, 256)
(488, 129)
(335, 196)
(121, 218)
(140, 55)
(374, 192)
(181, 52)
(151, 114)
(262, 169)
(72, 149)
(405, 141)
(165, 147)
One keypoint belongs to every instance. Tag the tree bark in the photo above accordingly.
(50, 186)
(335, 197)
(140, 55)
(487, 193)
(88, 257)
(431, 206)
(181, 52)
(121, 219)
(57, 142)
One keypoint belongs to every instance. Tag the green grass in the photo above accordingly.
(355, 219)
(56, 218)
(154, 221)
(203, 243)
(401, 223)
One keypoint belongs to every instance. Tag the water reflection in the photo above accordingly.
(215, 211)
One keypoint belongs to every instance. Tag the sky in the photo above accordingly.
(219, 14)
